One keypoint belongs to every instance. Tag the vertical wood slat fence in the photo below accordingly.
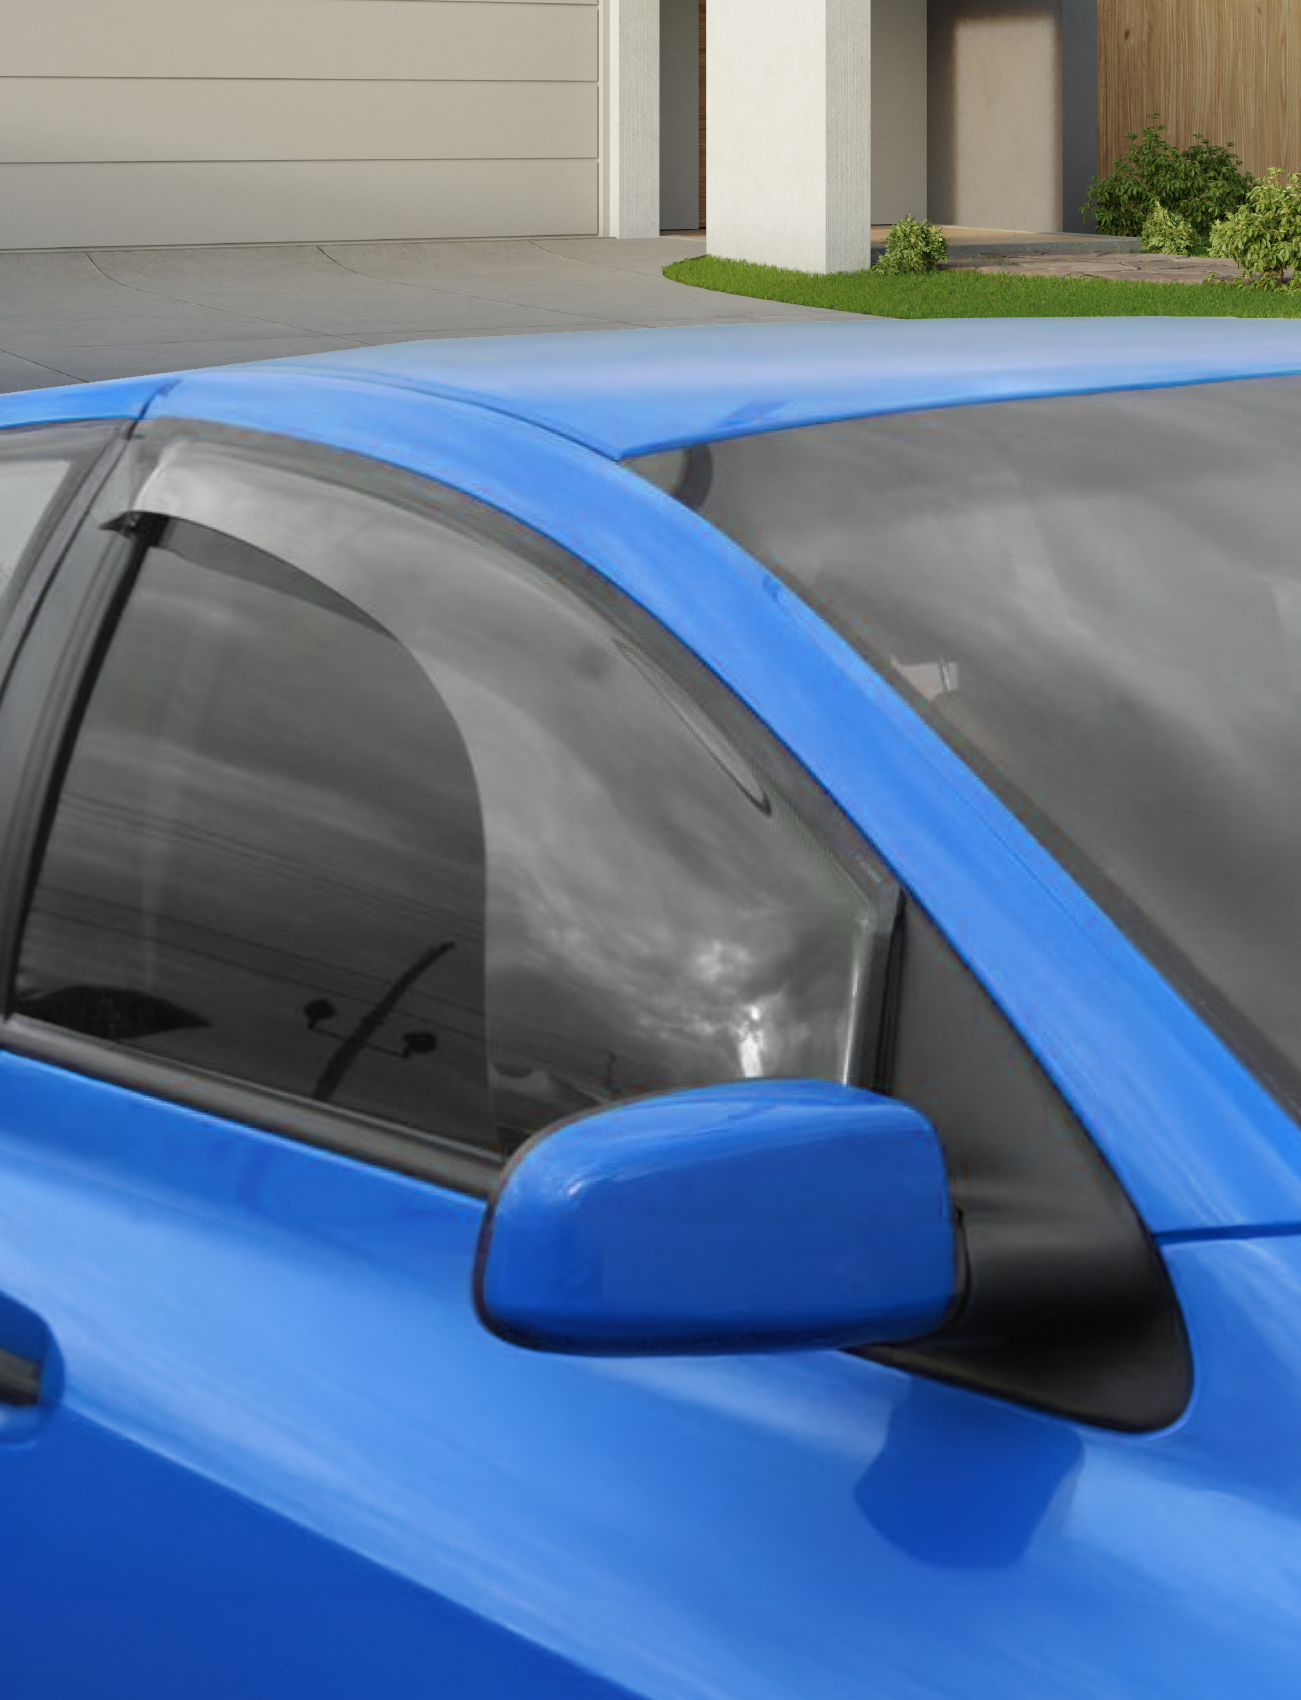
(1229, 68)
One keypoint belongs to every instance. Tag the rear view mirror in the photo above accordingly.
(762, 1216)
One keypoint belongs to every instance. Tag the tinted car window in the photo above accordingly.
(1098, 600)
(37, 464)
(267, 856)
(301, 780)
(27, 488)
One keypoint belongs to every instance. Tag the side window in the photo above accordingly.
(36, 464)
(267, 856)
(373, 807)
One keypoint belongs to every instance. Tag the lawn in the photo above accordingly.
(979, 295)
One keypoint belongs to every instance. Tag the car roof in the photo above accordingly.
(627, 392)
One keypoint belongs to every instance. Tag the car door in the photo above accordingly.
(250, 1100)
(356, 833)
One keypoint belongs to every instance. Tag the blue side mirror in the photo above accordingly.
(762, 1216)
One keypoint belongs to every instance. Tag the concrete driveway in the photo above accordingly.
(79, 315)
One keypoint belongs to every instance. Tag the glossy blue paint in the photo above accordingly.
(629, 392)
(769, 1215)
(288, 1458)
(280, 1453)
(1215, 1150)
(121, 398)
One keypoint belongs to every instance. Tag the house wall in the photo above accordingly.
(194, 121)
(995, 114)
(899, 125)
(1228, 68)
(679, 114)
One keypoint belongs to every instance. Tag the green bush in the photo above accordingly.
(912, 247)
(1167, 233)
(1263, 235)
(1201, 184)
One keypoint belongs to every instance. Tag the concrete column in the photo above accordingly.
(632, 54)
(789, 98)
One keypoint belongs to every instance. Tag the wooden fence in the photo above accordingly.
(1229, 68)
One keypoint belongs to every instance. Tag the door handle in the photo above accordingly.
(20, 1380)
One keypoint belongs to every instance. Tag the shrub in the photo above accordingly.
(1167, 233)
(1202, 183)
(1263, 235)
(912, 247)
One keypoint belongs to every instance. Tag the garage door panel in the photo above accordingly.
(529, 40)
(73, 206)
(86, 120)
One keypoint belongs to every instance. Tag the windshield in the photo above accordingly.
(1097, 600)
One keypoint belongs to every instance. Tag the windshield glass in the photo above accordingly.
(1097, 600)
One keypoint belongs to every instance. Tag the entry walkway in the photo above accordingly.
(75, 315)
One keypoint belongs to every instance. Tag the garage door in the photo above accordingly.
(194, 121)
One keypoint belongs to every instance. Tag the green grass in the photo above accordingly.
(979, 295)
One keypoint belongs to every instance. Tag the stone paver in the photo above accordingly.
(74, 316)
(1150, 268)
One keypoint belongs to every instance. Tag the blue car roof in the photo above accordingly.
(629, 392)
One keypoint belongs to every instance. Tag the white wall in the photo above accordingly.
(790, 142)
(898, 109)
(192, 121)
(633, 117)
(680, 114)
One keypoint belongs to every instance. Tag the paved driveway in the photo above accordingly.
(118, 312)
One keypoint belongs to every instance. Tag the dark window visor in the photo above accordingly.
(407, 826)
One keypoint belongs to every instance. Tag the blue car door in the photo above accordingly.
(356, 834)
(267, 858)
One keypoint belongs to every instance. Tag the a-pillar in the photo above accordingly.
(789, 98)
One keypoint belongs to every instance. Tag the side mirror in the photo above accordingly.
(758, 1217)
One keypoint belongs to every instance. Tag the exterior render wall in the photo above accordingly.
(995, 151)
(194, 121)
(633, 79)
(790, 132)
(899, 129)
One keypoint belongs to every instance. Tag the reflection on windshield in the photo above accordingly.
(1098, 599)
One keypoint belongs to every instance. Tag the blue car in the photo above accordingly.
(653, 1031)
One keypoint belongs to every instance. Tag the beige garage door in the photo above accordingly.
(191, 121)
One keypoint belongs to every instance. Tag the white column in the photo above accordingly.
(789, 96)
(633, 161)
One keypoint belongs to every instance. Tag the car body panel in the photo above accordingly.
(121, 398)
(295, 1330)
(1215, 1150)
(629, 392)
(279, 1451)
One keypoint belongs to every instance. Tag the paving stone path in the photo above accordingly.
(1148, 268)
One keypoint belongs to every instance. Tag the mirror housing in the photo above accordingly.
(763, 1216)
